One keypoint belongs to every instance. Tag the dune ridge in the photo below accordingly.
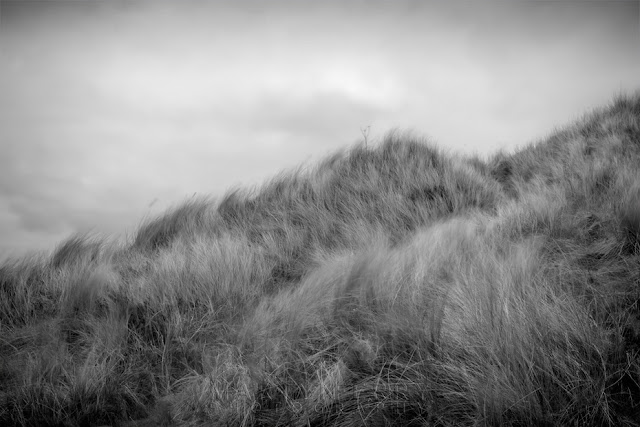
(389, 284)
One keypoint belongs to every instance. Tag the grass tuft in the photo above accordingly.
(629, 216)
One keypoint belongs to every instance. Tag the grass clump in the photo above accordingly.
(388, 285)
(630, 219)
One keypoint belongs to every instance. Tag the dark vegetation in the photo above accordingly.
(389, 285)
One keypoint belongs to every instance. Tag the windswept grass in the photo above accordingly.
(387, 285)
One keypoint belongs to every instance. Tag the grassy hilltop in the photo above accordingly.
(387, 285)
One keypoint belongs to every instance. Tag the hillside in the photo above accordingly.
(394, 284)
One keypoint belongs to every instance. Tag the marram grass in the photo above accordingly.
(387, 285)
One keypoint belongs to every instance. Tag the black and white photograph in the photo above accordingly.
(319, 213)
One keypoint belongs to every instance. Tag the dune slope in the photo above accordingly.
(387, 285)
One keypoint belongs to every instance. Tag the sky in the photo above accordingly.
(112, 111)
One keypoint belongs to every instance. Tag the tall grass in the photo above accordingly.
(388, 285)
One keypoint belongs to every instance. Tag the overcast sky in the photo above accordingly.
(110, 111)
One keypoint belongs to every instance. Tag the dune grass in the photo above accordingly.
(387, 285)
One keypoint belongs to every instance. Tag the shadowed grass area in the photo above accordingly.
(387, 285)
